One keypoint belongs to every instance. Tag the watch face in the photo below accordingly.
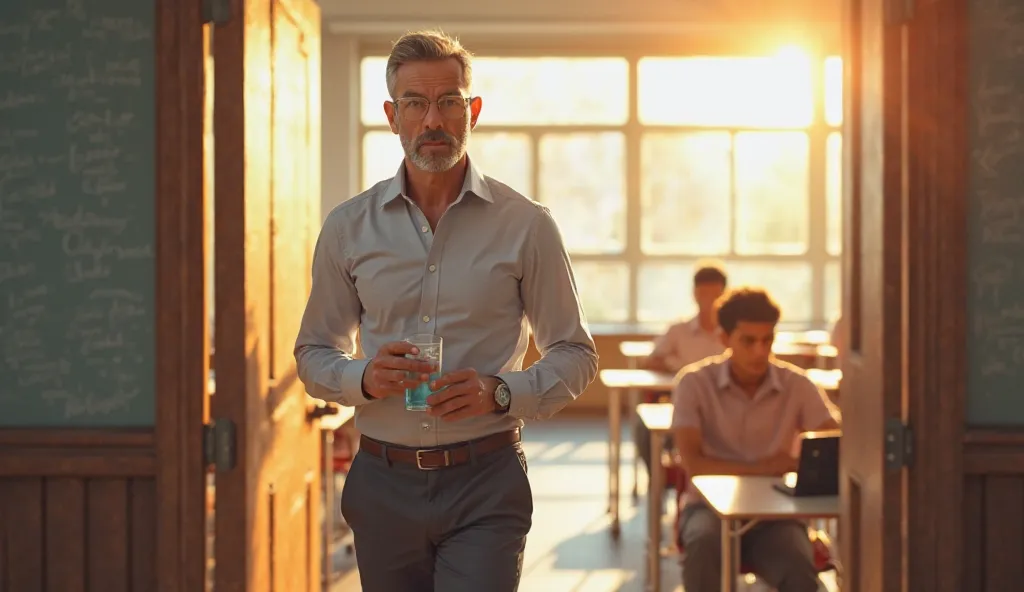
(502, 395)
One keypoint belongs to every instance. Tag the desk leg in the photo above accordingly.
(327, 545)
(615, 447)
(634, 425)
(731, 532)
(655, 507)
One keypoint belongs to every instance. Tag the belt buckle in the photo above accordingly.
(419, 459)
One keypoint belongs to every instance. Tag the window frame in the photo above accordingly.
(817, 255)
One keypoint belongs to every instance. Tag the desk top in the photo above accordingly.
(826, 379)
(642, 349)
(334, 422)
(636, 349)
(656, 417)
(647, 379)
(754, 497)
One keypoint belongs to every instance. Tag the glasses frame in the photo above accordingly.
(435, 103)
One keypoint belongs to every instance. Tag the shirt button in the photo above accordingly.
(432, 268)
(426, 319)
(425, 426)
(424, 228)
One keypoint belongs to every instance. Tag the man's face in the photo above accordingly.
(706, 294)
(434, 139)
(751, 345)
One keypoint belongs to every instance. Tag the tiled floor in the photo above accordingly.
(570, 548)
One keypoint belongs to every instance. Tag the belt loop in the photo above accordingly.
(472, 453)
(384, 454)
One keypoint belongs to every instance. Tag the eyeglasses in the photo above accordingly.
(416, 108)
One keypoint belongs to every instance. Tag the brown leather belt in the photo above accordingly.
(431, 459)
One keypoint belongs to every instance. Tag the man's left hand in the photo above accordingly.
(465, 394)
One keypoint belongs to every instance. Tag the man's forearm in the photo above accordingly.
(706, 465)
(332, 375)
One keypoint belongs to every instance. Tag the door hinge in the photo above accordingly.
(219, 444)
(899, 445)
(217, 12)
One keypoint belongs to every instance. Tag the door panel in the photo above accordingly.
(267, 155)
(871, 540)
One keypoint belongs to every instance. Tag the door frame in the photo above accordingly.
(182, 333)
(936, 46)
(931, 42)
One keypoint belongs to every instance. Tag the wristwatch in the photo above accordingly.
(502, 397)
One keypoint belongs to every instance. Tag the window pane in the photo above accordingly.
(685, 181)
(766, 91)
(382, 155)
(528, 91)
(833, 291)
(604, 290)
(834, 91)
(834, 193)
(506, 157)
(582, 179)
(665, 288)
(665, 292)
(373, 90)
(789, 284)
(552, 91)
(771, 193)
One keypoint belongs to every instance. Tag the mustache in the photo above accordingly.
(434, 136)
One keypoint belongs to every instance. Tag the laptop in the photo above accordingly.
(818, 468)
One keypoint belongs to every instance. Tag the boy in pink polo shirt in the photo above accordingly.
(740, 414)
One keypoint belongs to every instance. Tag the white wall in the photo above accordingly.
(355, 27)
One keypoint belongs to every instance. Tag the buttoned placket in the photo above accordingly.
(430, 288)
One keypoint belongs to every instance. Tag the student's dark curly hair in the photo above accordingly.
(750, 305)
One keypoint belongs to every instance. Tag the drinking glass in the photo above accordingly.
(430, 351)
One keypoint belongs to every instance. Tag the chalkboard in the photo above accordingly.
(77, 213)
(995, 346)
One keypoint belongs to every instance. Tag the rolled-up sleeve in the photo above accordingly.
(686, 401)
(568, 362)
(326, 344)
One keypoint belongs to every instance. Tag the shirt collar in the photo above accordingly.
(694, 326)
(475, 184)
(772, 382)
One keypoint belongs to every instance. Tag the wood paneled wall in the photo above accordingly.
(993, 511)
(78, 511)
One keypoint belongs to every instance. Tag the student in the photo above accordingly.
(740, 414)
(697, 338)
(686, 342)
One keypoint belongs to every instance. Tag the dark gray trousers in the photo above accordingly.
(779, 552)
(459, 529)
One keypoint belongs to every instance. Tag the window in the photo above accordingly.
(722, 151)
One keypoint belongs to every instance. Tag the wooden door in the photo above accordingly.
(873, 391)
(266, 203)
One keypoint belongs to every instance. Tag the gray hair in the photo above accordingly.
(427, 46)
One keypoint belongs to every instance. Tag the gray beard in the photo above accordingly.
(435, 163)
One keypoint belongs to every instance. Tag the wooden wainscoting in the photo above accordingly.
(78, 511)
(993, 506)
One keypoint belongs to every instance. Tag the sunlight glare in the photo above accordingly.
(742, 91)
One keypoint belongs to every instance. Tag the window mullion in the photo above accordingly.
(633, 132)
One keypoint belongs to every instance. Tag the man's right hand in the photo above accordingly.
(388, 373)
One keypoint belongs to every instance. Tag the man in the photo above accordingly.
(439, 500)
(697, 338)
(741, 414)
(686, 342)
